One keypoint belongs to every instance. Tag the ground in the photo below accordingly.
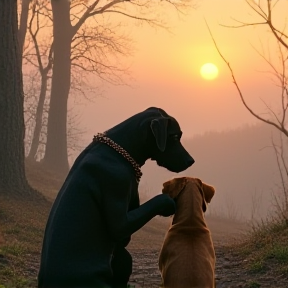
(243, 258)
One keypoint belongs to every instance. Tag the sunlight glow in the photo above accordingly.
(209, 71)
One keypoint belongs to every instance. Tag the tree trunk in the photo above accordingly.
(12, 168)
(38, 118)
(56, 157)
(23, 24)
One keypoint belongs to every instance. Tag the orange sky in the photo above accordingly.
(166, 70)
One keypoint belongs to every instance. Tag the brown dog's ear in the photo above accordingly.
(174, 187)
(207, 192)
(159, 130)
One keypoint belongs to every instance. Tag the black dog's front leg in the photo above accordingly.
(122, 267)
(122, 223)
(122, 261)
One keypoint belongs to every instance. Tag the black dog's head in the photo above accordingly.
(153, 134)
(168, 150)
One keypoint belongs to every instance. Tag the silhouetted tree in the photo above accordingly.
(65, 26)
(23, 23)
(90, 48)
(12, 168)
(277, 116)
(280, 72)
(43, 55)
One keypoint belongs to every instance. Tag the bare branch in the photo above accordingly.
(279, 127)
(267, 16)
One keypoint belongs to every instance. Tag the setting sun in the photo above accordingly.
(209, 71)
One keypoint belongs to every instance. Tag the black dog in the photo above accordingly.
(97, 208)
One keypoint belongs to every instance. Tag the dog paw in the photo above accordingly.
(167, 205)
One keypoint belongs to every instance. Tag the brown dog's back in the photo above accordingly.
(187, 257)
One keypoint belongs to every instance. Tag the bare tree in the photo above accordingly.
(256, 203)
(277, 119)
(277, 116)
(280, 199)
(75, 133)
(65, 27)
(39, 55)
(23, 23)
(12, 172)
(91, 53)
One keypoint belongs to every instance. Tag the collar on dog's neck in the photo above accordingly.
(101, 137)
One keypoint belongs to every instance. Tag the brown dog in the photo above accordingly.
(187, 257)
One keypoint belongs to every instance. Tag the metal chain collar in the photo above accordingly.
(101, 137)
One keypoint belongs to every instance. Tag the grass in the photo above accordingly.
(22, 225)
(253, 284)
(257, 266)
(22, 229)
(266, 248)
(280, 253)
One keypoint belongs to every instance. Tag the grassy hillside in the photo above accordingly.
(22, 226)
(264, 254)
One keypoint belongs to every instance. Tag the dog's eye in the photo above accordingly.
(176, 137)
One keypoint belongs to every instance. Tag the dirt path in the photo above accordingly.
(230, 266)
(229, 272)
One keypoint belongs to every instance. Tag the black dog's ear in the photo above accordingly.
(159, 130)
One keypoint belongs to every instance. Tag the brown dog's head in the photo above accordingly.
(174, 187)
